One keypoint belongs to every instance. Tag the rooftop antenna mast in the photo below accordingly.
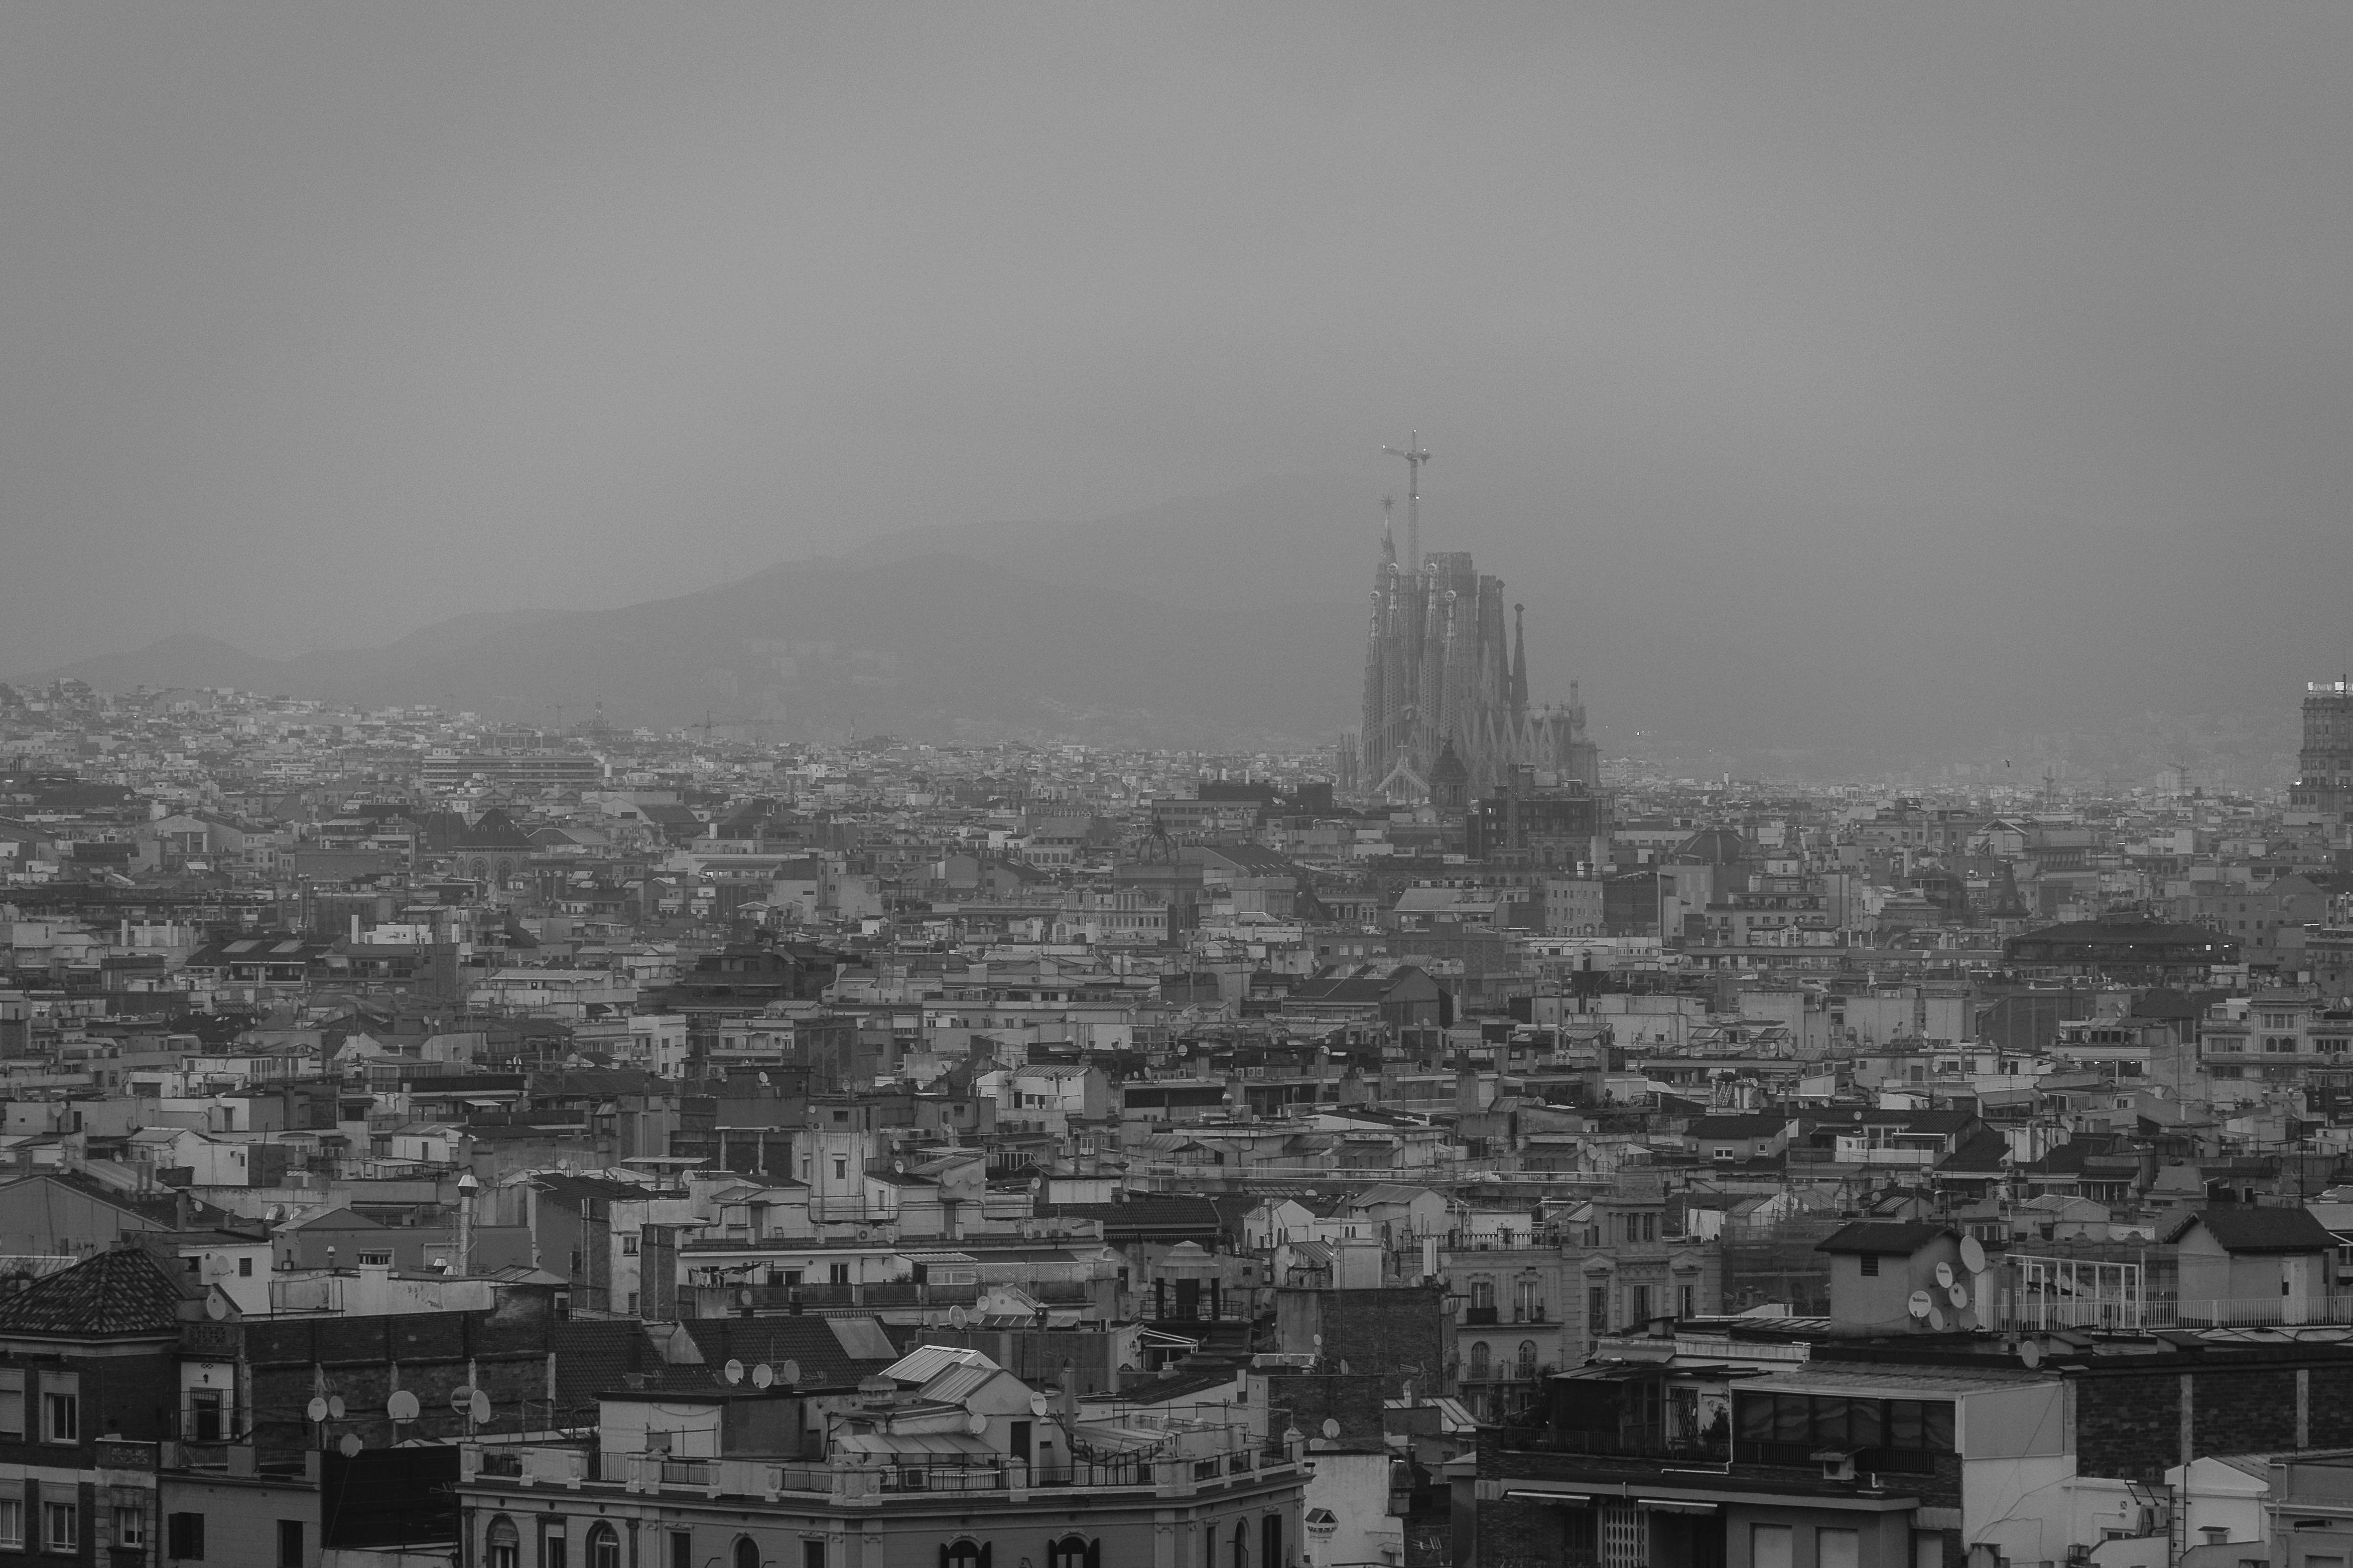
(1414, 457)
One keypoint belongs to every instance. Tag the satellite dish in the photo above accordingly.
(763, 1376)
(335, 1406)
(788, 1373)
(1944, 1274)
(350, 1446)
(478, 1408)
(763, 1078)
(316, 1410)
(743, 1297)
(1330, 1428)
(215, 1309)
(1964, 1319)
(2029, 1352)
(1040, 1404)
(461, 1398)
(733, 1371)
(956, 1319)
(401, 1406)
(1959, 1296)
(1937, 1318)
(976, 1424)
(1973, 1256)
(1919, 1304)
(274, 1213)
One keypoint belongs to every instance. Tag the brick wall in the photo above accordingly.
(2332, 1406)
(2243, 1410)
(2128, 1425)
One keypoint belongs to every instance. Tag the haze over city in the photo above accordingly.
(1886, 381)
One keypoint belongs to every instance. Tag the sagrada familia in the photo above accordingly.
(1438, 676)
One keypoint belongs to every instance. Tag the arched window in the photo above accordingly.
(1072, 1552)
(502, 1543)
(1477, 1359)
(1483, 1293)
(747, 1553)
(1242, 1544)
(1528, 1359)
(604, 1547)
(964, 1552)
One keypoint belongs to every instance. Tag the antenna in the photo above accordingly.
(1414, 457)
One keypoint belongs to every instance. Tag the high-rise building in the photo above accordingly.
(1439, 667)
(2324, 782)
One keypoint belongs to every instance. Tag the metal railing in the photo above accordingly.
(2177, 1313)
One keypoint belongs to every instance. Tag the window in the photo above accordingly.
(61, 1527)
(130, 1526)
(245, 1268)
(604, 1547)
(61, 1416)
(1596, 1310)
(812, 1554)
(375, 1260)
(1269, 1541)
(1070, 1552)
(205, 1415)
(1477, 1359)
(964, 1553)
(1871, 1265)
(503, 1546)
(12, 1523)
(1837, 1549)
(1528, 1359)
(628, 1246)
(681, 1549)
(1638, 1303)
(1768, 1546)
(290, 1543)
(1241, 1545)
(841, 1170)
(838, 1273)
(554, 1548)
(11, 1404)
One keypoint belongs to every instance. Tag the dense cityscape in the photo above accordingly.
(1367, 785)
(434, 1140)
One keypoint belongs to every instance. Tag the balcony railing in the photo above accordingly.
(655, 1473)
(2177, 1313)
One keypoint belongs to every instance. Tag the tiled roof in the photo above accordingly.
(807, 1341)
(128, 1290)
(1900, 1238)
(2241, 1229)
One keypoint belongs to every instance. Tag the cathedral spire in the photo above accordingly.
(1519, 692)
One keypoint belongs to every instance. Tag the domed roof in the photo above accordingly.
(1448, 767)
(1713, 846)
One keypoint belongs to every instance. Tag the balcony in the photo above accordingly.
(1478, 1317)
(773, 1480)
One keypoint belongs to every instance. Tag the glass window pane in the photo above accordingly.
(1837, 1549)
(1902, 1423)
(1793, 1415)
(1768, 1546)
(1755, 1411)
(1936, 1428)
(1866, 1426)
(1830, 1422)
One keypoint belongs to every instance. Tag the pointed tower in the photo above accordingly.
(1519, 693)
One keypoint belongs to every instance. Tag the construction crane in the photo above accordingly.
(1414, 457)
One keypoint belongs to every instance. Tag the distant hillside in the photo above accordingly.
(928, 645)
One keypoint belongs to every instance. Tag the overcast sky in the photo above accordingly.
(1935, 327)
